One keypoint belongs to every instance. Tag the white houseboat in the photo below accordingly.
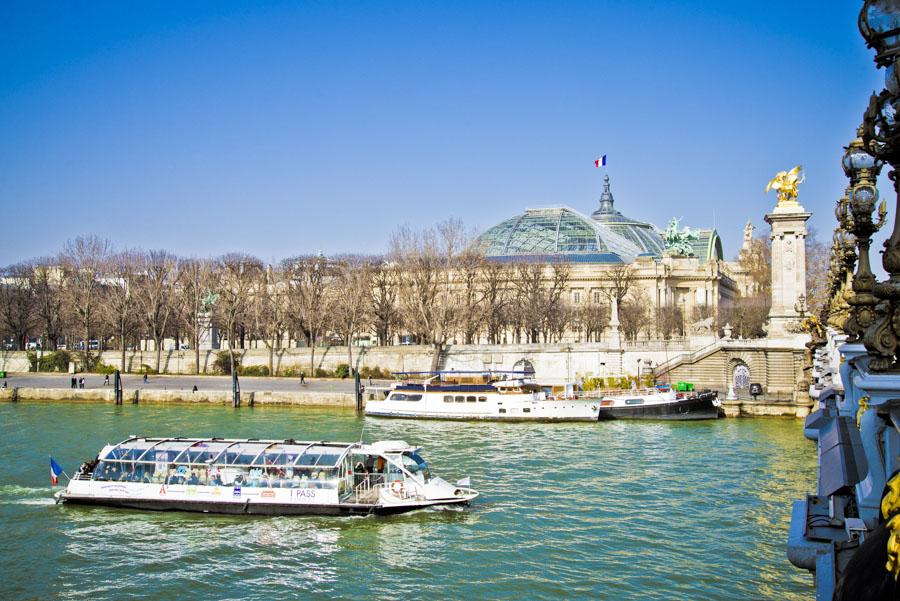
(270, 477)
(488, 395)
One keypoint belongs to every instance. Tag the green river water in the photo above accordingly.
(615, 510)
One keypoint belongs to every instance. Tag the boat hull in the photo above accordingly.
(703, 406)
(270, 509)
(484, 418)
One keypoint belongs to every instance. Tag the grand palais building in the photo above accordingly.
(599, 246)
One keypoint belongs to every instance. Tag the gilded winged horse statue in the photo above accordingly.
(785, 183)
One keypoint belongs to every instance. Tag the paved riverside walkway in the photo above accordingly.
(166, 382)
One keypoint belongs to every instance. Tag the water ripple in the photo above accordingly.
(591, 511)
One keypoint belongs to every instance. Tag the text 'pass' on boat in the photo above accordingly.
(487, 395)
(268, 477)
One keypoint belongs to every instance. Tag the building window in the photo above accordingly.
(576, 296)
(596, 297)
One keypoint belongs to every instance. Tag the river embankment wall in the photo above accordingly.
(214, 397)
(550, 361)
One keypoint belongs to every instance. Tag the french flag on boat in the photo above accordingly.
(601, 162)
(55, 471)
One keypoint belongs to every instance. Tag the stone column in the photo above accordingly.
(613, 336)
(788, 222)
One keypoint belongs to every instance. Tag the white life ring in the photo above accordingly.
(398, 488)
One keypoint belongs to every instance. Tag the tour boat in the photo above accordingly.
(267, 477)
(481, 395)
(662, 402)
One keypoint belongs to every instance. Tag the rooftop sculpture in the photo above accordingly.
(678, 243)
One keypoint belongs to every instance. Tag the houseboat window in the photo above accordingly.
(634, 401)
(482, 399)
(460, 399)
(448, 399)
(470, 399)
(526, 410)
(502, 410)
(399, 396)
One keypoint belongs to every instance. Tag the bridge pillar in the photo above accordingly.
(788, 268)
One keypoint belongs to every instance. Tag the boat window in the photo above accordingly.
(320, 455)
(634, 401)
(241, 453)
(460, 399)
(502, 410)
(482, 399)
(526, 410)
(448, 399)
(470, 399)
(201, 452)
(414, 464)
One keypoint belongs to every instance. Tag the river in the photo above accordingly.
(614, 510)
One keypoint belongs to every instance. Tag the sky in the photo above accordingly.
(279, 129)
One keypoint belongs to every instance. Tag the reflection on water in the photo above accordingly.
(610, 510)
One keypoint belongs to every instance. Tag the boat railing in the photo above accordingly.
(618, 392)
(83, 476)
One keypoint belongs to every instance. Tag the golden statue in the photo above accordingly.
(785, 183)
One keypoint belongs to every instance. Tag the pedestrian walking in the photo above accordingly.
(145, 377)
(81, 382)
(106, 380)
(303, 377)
(195, 388)
(74, 382)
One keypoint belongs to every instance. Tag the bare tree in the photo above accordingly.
(83, 260)
(385, 283)
(539, 289)
(350, 307)
(425, 260)
(468, 276)
(496, 298)
(818, 262)
(17, 303)
(157, 296)
(46, 285)
(634, 313)
(193, 289)
(309, 281)
(593, 318)
(270, 310)
(237, 276)
(120, 303)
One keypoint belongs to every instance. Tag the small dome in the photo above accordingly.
(556, 231)
(644, 235)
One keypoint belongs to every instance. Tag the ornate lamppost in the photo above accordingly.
(879, 23)
(862, 169)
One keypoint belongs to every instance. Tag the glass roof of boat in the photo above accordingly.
(229, 452)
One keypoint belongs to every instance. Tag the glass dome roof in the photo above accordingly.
(644, 235)
(556, 231)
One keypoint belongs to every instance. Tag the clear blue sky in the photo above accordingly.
(284, 128)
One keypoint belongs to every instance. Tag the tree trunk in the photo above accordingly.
(350, 353)
(312, 356)
(158, 343)
(436, 355)
(272, 358)
(122, 343)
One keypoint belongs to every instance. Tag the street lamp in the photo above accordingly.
(879, 23)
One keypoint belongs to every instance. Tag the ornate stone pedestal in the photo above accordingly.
(788, 222)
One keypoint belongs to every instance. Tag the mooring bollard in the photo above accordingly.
(252, 400)
(117, 387)
(15, 395)
(136, 397)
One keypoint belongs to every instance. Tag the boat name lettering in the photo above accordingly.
(305, 492)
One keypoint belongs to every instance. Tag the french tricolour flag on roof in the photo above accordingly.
(55, 471)
(601, 162)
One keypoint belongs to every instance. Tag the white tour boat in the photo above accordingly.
(270, 477)
(488, 395)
